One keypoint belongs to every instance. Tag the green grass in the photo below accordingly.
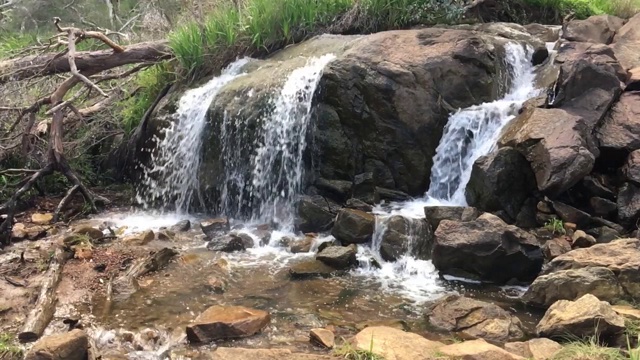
(586, 8)
(556, 226)
(13, 43)
(347, 351)
(8, 347)
(587, 349)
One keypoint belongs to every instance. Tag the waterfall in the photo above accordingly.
(469, 134)
(172, 175)
(268, 181)
(473, 132)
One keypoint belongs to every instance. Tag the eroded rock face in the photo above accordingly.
(226, 322)
(573, 284)
(584, 317)
(487, 248)
(627, 43)
(621, 257)
(72, 345)
(404, 235)
(394, 344)
(620, 129)
(475, 318)
(598, 29)
(502, 180)
(353, 226)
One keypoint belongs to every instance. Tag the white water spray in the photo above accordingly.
(172, 175)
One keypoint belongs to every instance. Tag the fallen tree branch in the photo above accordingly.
(44, 308)
(65, 200)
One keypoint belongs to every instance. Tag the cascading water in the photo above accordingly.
(171, 176)
(274, 177)
(470, 133)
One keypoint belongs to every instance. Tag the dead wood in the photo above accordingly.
(127, 284)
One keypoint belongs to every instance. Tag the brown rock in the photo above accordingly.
(72, 345)
(214, 227)
(475, 318)
(18, 231)
(476, 350)
(89, 231)
(620, 128)
(598, 29)
(83, 253)
(626, 44)
(226, 322)
(166, 235)
(339, 257)
(435, 214)
(556, 247)
(353, 226)
(322, 337)
(631, 169)
(226, 353)
(633, 82)
(573, 284)
(628, 312)
(582, 318)
(534, 349)
(301, 246)
(41, 219)
(394, 344)
(580, 239)
(312, 268)
(140, 239)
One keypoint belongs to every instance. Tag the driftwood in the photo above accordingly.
(45, 306)
(127, 284)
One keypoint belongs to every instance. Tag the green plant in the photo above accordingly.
(8, 347)
(347, 351)
(556, 226)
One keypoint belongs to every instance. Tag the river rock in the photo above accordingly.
(546, 33)
(580, 239)
(89, 231)
(339, 257)
(620, 130)
(226, 243)
(226, 322)
(582, 318)
(502, 180)
(598, 29)
(603, 207)
(353, 226)
(358, 205)
(534, 349)
(301, 246)
(622, 257)
(626, 44)
(315, 214)
(72, 345)
(139, 239)
(214, 227)
(394, 344)
(487, 248)
(476, 350)
(403, 235)
(323, 337)
(235, 353)
(604, 234)
(629, 204)
(571, 215)
(572, 284)
(556, 247)
(311, 269)
(435, 214)
(181, 226)
(559, 142)
(474, 318)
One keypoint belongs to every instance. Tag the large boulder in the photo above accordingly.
(487, 248)
(402, 235)
(339, 257)
(559, 141)
(572, 284)
(502, 180)
(393, 344)
(435, 214)
(476, 350)
(315, 214)
(620, 129)
(353, 226)
(474, 318)
(72, 345)
(626, 44)
(598, 29)
(621, 257)
(226, 322)
(582, 318)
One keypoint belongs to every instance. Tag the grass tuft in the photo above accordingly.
(587, 349)
(8, 347)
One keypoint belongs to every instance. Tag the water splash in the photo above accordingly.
(473, 132)
(172, 176)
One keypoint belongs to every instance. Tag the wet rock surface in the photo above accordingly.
(226, 322)
(353, 226)
(338, 257)
(403, 235)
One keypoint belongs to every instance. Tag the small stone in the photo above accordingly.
(322, 337)
(570, 226)
(556, 247)
(544, 207)
(226, 322)
(41, 219)
(18, 231)
(127, 336)
(353, 226)
(217, 285)
(582, 240)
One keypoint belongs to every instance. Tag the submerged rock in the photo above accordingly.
(72, 345)
(403, 235)
(572, 284)
(226, 322)
(338, 257)
(475, 318)
(582, 318)
(390, 343)
(353, 226)
(487, 248)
